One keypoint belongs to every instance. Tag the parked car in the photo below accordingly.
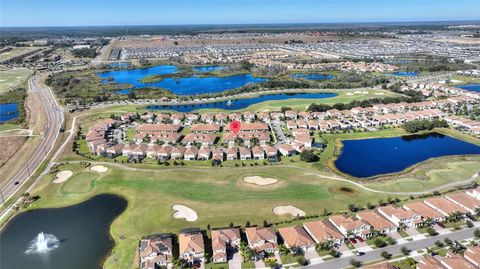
(352, 240)
(360, 239)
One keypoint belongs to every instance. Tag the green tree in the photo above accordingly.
(308, 156)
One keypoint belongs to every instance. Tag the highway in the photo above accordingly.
(55, 118)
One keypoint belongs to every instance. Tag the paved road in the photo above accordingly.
(394, 250)
(55, 119)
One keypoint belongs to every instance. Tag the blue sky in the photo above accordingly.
(158, 12)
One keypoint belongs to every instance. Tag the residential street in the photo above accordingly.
(344, 261)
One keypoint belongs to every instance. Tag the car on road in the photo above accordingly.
(360, 253)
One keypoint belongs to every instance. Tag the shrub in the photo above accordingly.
(355, 263)
(431, 231)
(385, 255)
(379, 243)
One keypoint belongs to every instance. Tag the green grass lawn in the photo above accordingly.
(289, 258)
(219, 196)
(248, 265)
(465, 79)
(15, 52)
(9, 79)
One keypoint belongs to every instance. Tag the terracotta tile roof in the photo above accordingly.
(381, 266)
(296, 236)
(201, 138)
(445, 205)
(147, 128)
(429, 263)
(248, 127)
(375, 220)
(323, 230)
(473, 254)
(423, 210)
(347, 222)
(255, 234)
(191, 242)
(398, 212)
(205, 127)
(220, 238)
(456, 261)
(464, 200)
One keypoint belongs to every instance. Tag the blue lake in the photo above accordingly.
(181, 86)
(371, 157)
(313, 76)
(8, 112)
(242, 103)
(470, 87)
(404, 74)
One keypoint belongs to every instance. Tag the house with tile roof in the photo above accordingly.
(323, 231)
(223, 241)
(262, 239)
(155, 252)
(296, 239)
(191, 247)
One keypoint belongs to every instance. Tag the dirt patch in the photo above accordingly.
(288, 210)
(99, 168)
(184, 212)
(62, 176)
(346, 190)
(260, 181)
(8, 147)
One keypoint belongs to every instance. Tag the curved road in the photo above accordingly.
(55, 118)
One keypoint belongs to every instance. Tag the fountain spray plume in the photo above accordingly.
(43, 243)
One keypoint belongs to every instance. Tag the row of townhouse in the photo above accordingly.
(472, 126)
(335, 229)
(469, 260)
(97, 135)
(189, 153)
(266, 117)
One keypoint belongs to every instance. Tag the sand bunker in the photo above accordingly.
(183, 212)
(99, 168)
(62, 176)
(288, 209)
(261, 181)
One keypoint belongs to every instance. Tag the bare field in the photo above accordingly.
(8, 147)
(167, 41)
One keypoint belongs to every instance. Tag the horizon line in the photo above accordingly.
(251, 24)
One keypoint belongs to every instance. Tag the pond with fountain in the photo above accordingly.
(75, 237)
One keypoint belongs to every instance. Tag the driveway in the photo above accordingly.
(259, 264)
(277, 256)
(236, 261)
(395, 235)
(311, 254)
(412, 231)
(343, 248)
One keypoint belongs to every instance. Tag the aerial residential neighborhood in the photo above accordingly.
(240, 134)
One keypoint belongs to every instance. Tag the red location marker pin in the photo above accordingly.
(235, 126)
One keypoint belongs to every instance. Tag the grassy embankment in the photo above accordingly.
(465, 80)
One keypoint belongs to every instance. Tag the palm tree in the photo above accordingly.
(177, 263)
(283, 249)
